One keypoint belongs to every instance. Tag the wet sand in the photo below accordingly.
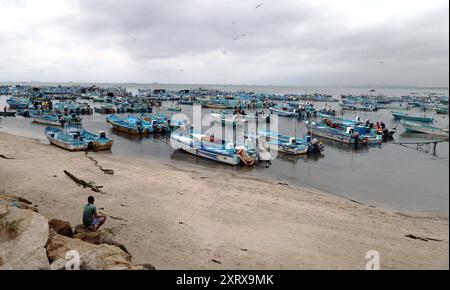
(192, 218)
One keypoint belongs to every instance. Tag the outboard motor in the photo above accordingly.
(102, 134)
(317, 145)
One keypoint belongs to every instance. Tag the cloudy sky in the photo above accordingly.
(282, 42)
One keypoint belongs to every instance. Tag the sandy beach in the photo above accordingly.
(193, 218)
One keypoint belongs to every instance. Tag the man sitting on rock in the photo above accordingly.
(91, 218)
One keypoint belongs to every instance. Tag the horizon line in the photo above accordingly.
(237, 85)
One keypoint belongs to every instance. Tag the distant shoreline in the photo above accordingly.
(368, 86)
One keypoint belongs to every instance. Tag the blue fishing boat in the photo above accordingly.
(131, 125)
(45, 117)
(77, 139)
(406, 116)
(344, 131)
(290, 145)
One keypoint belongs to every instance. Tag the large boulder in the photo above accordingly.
(98, 238)
(92, 257)
(61, 227)
(23, 236)
(81, 228)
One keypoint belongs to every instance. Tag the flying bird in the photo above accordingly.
(236, 38)
(259, 5)
(380, 61)
(243, 35)
(224, 52)
(234, 22)
(181, 69)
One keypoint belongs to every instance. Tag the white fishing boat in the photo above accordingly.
(213, 149)
(421, 128)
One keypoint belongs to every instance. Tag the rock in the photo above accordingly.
(61, 227)
(92, 257)
(81, 229)
(148, 266)
(3, 209)
(18, 202)
(98, 238)
(23, 236)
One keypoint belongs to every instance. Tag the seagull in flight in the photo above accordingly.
(380, 61)
(259, 5)
(181, 69)
(224, 52)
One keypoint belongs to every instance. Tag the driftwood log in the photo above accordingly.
(5, 157)
(82, 182)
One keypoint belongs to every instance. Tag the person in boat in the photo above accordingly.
(91, 218)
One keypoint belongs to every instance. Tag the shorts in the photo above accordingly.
(96, 221)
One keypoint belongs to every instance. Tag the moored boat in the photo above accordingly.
(290, 145)
(130, 125)
(77, 139)
(46, 118)
(442, 110)
(284, 111)
(406, 116)
(207, 147)
(421, 128)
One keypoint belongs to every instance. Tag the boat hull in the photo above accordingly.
(413, 127)
(46, 122)
(399, 116)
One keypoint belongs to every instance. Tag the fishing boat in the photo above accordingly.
(185, 102)
(422, 128)
(159, 122)
(228, 119)
(344, 132)
(106, 109)
(8, 113)
(406, 116)
(290, 145)
(284, 111)
(172, 109)
(131, 125)
(46, 118)
(77, 139)
(357, 107)
(442, 110)
(213, 149)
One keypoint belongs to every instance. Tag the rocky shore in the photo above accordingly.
(28, 241)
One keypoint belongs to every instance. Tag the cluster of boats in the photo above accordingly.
(64, 119)
(375, 103)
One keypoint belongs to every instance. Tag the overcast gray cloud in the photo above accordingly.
(286, 42)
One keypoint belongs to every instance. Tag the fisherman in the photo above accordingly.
(91, 218)
(5, 109)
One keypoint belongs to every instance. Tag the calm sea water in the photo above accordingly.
(389, 175)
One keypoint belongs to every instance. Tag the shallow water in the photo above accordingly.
(391, 176)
